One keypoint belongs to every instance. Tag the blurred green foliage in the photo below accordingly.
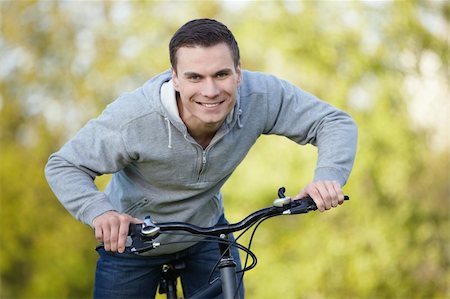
(61, 62)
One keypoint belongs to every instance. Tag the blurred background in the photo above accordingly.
(385, 62)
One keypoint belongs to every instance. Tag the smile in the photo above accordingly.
(210, 105)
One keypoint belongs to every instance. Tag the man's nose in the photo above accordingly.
(210, 88)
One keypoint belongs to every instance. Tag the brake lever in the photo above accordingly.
(138, 245)
(142, 236)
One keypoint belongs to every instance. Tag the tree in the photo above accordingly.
(62, 62)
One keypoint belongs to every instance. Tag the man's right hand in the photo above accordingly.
(111, 228)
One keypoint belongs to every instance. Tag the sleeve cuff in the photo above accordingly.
(96, 209)
(330, 174)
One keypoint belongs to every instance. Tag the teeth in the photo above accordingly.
(210, 105)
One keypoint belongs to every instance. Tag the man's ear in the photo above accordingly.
(238, 71)
(175, 80)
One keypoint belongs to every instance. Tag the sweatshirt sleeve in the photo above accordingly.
(97, 149)
(305, 119)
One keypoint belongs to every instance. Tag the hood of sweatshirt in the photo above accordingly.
(161, 93)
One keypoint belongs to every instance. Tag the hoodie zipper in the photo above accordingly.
(203, 157)
(219, 135)
(202, 163)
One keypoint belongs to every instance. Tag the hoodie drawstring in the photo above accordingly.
(239, 119)
(169, 131)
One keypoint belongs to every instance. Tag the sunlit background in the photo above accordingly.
(384, 62)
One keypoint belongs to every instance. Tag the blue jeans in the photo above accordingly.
(122, 275)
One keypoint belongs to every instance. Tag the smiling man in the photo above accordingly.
(172, 144)
(206, 81)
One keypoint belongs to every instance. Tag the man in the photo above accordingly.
(173, 143)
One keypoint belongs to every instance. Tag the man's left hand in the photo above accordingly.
(326, 194)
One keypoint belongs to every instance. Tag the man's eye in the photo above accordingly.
(194, 78)
(222, 75)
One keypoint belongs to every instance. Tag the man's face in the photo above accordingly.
(206, 80)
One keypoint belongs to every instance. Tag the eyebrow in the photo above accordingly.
(190, 74)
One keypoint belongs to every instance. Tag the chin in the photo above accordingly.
(212, 121)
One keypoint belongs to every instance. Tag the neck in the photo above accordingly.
(202, 133)
(203, 139)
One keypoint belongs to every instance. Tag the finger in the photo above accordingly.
(301, 194)
(313, 191)
(106, 237)
(325, 196)
(114, 236)
(332, 195)
(339, 192)
(98, 233)
(136, 220)
(123, 234)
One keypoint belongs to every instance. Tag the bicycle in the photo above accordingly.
(144, 234)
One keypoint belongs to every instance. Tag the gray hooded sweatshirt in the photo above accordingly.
(160, 170)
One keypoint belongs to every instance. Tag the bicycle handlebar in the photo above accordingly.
(144, 233)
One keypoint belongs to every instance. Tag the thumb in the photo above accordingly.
(302, 194)
(135, 220)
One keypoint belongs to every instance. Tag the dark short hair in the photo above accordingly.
(204, 33)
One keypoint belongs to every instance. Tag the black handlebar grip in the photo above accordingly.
(134, 229)
(346, 197)
(306, 204)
